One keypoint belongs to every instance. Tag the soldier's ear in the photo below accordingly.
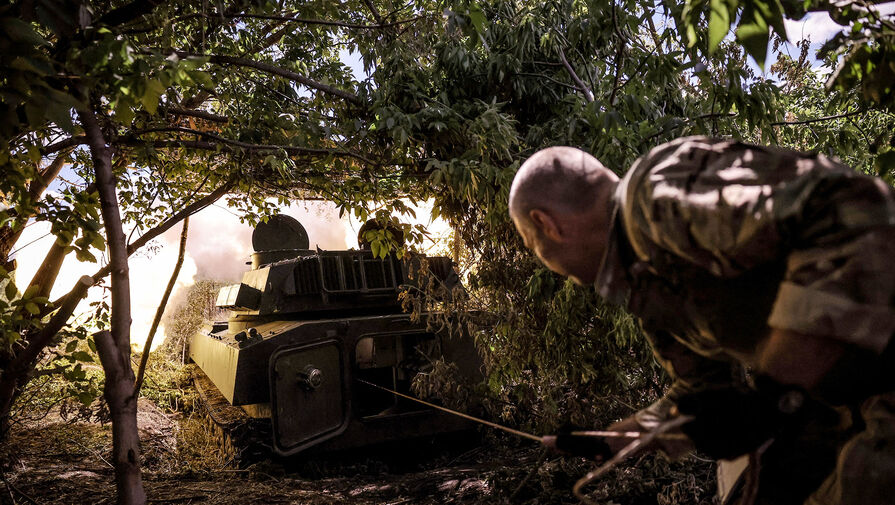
(546, 224)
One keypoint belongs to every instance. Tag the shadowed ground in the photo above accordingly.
(55, 462)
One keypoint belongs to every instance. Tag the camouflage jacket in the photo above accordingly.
(715, 241)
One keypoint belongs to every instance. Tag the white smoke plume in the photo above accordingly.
(218, 248)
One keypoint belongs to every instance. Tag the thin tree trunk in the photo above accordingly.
(119, 393)
(161, 307)
(46, 274)
(114, 347)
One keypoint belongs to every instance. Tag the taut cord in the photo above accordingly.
(454, 412)
(639, 441)
(583, 433)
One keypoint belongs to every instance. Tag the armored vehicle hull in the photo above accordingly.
(304, 336)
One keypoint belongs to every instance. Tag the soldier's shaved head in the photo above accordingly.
(560, 202)
(561, 180)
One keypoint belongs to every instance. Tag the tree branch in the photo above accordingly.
(619, 56)
(222, 59)
(161, 228)
(128, 12)
(373, 10)
(258, 148)
(62, 145)
(584, 89)
(144, 358)
(24, 361)
(324, 22)
(820, 119)
(542, 76)
(201, 114)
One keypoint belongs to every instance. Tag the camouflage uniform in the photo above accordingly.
(715, 241)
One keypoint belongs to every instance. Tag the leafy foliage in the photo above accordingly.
(197, 308)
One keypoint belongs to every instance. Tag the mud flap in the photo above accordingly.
(310, 395)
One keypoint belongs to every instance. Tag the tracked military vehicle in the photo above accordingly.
(308, 329)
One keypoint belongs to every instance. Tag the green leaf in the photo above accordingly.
(82, 356)
(30, 292)
(20, 31)
(98, 242)
(154, 90)
(32, 308)
(477, 18)
(71, 346)
(11, 290)
(885, 166)
(719, 23)
(86, 398)
(754, 34)
(123, 111)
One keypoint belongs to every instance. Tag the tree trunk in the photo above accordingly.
(114, 346)
(17, 374)
(119, 393)
(161, 308)
(45, 277)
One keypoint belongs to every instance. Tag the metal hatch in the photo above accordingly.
(309, 395)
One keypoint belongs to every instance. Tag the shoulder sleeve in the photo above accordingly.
(728, 207)
(722, 205)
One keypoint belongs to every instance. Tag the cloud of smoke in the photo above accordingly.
(218, 248)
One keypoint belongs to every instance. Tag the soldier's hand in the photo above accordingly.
(672, 448)
(732, 421)
(564, 443)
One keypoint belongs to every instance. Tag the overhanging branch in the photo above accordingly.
(584, 89)
(819, 119)
(62, 145)
(222, 59)
(225, 144)
(324, 22)
(201, 114)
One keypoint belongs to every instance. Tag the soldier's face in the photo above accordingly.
(566, 257)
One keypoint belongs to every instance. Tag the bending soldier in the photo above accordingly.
(740, 258)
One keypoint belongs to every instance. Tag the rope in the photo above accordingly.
(640, 439)
(601, 434)
(454, 412)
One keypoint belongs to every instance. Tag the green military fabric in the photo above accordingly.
(716, 241)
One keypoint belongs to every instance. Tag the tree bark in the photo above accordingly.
(114, 346)
(144, 358)
(46, 274)
(18, 372)
(119, 393)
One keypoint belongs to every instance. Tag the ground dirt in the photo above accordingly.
(57, 462)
